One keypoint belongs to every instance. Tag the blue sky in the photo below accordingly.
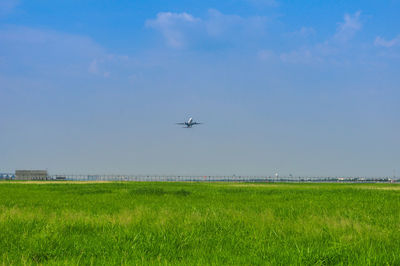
(305, 87)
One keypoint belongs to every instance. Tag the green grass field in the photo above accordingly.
(199, 223)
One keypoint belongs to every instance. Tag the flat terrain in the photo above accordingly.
(199, 223)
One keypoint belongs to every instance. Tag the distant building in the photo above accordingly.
(31, 175)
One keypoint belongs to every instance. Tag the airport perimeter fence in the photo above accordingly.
(206, 178)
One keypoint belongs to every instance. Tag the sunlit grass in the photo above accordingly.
(199, 223)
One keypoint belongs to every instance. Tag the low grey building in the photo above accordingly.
(31, 175)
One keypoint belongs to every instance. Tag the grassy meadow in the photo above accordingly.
(199, 223)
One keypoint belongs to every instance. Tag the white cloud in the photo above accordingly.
(218, 24)
(265, 55)
(44, 51)
(180, 29)
(261, 3)
(97, 66)
(301, 56)
(172, 25)
(331, 49)
(304, 32)
(348, 28)
(379, 41)
(93, 67)
(41, 38)
(7, 6)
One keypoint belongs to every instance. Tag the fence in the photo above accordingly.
(207, 178)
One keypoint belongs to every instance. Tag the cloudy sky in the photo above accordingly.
(302, 87)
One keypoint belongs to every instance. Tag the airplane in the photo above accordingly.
(189, 123)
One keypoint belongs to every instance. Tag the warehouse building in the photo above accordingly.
(31, 175)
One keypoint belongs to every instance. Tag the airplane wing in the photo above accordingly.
(195, 123)
(180, 123)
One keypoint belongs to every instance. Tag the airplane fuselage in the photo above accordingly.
(189, 123)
